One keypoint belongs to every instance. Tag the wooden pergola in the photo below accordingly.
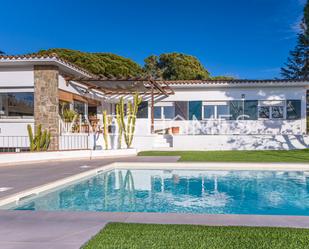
(113, 88)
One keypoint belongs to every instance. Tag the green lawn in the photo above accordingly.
(142, 236)
(235, 156)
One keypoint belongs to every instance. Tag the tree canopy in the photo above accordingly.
(106, 64)
(169, 66)
(297, 66)
(175, 66)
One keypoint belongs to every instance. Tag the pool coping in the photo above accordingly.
(176, 218)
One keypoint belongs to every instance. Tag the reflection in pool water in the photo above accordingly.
(183, 191)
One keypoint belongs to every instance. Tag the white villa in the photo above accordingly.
(183, 115)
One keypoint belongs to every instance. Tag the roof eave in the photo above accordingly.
(63, 66)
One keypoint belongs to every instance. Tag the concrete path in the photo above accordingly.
(70, 230)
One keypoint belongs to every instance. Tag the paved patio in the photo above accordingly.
(70, 230)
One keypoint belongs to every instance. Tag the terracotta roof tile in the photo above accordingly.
(52, 56)
(228, 82)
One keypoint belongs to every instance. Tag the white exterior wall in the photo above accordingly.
(295, 127)
(16, 76)
(240, 142)
(15, 79)
(256, 93)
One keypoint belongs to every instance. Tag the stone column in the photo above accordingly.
(46, 101)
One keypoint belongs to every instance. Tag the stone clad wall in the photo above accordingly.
(46, 102)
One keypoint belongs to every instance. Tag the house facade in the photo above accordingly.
(238, 114)
(197, 115)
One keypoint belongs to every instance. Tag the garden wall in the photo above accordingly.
(240, 142)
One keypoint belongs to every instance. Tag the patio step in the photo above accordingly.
(163, 141)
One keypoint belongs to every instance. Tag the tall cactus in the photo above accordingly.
(31, 139)
(40, 140)
(105, 129)
(133, 109)
(129, 126)
(119, 123)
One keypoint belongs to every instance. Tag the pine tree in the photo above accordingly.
(152, 68)
(297, 66)
(175, 66)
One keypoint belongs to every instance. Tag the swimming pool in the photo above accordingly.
(181, 191)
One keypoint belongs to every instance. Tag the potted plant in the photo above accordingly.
(175, 130)
(92, 116)
(68, 115)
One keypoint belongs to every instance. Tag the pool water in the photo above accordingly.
(182, 191)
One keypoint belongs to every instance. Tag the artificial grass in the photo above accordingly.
(149, 236)
(235, 155)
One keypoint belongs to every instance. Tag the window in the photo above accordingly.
(157, 112)
(236, 109)
(209, 112)
(79, 107)
(168, 112)
(277, 112)
(251, 109)
(222, 111)
(142, 110)
(195, 110)
(293, 109)
(164, 111)
(17, 105)
(264, 112)
(273, 109)
(181, 110)
(215, 110)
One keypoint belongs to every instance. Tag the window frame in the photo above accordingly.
(84, 104)
(162, 106)
(282, 104)
(160, 112)
(214, 113)
(215, 104)
(6, 105)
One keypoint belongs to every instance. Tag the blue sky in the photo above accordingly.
(242, 38)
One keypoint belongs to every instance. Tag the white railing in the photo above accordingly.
(66, 142)
(74, 142)
(79, 124)
(14, 143)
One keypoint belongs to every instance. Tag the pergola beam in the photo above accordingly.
(148, 88)
(150, 84)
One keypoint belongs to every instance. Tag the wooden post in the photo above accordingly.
(152, 110)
